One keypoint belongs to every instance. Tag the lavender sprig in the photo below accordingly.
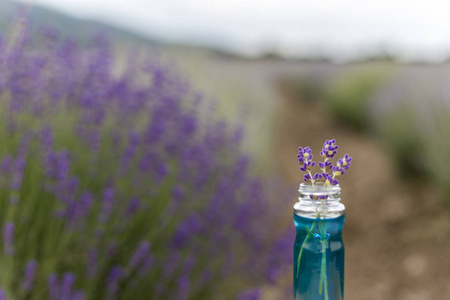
(328, 152)
(305, 160)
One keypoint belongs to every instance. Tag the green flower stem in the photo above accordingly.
(309, 231)
(323, 272)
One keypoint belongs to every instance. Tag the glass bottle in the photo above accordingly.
(319, 250)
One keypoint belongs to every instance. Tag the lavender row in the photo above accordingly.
(113, 185)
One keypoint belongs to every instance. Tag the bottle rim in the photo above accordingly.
(318, 187)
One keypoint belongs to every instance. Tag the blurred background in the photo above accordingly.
(373, 75)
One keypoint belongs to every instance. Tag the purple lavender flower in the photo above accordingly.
(304, 154)
(6, 164)
(250, 295)
(92, 264)
(317, 177)
(17, 177)
(2, 295)
(53, 286)
(329, 149)
(140, 253)
(327, 165)
(308, 166)
(30, 273)
(133, 205)
(67, 283)
(183, 288)
(328, 152)
(337, 171)
(111, 249)
(192, 225)
(146, 264)
(78, 295)
(8, 238)
(171, 266)
(329, 180)
(107, 204)
(307, 178)
(344, 162)
(115, 274)
(130, 151)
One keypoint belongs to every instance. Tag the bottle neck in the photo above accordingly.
(319, 201)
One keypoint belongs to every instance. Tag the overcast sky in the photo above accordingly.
(339, 29)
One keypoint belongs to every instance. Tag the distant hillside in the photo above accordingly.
(66, 25)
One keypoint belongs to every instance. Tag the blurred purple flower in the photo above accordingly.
(78, 295)
(249, 295)
(183, 288)
(2, 295)
(186, 229)
(29, 276)
(8, 238)
(67, 283)
(107, 204)
(115, 274)
(139, 254)
(53, 286)
(92, 262)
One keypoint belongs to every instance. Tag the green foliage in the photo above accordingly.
(437, 151)
(348, 95)
(400, 132)
(307, 88)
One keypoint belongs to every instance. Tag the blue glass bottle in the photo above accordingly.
(319, 249)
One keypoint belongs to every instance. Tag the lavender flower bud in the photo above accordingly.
(307, 153)
(338, 171)
(311, 165)
(329, 180)
(300, 157)
(317, 177)
(329, 149)
(307, 178)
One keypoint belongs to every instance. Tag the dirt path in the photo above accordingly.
(396, 234)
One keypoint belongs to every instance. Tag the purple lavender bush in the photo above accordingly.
(114, 187)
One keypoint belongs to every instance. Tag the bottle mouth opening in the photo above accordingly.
(319, 187)
(319, 191)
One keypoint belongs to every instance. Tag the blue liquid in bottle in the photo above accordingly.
(320, 273)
